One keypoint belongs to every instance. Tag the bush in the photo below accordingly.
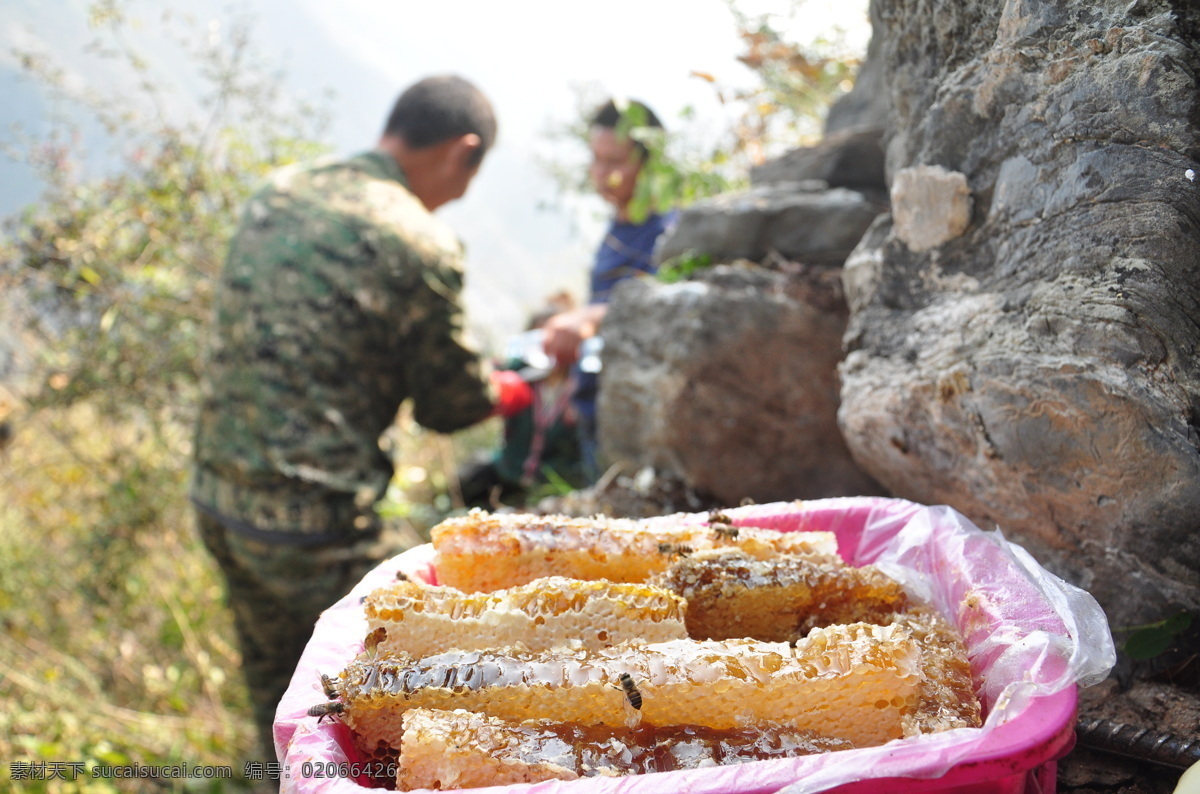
(116, 647)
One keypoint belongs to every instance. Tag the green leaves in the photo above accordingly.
(116, 273)
(1155, 639)
(682, 267)
(671, 179)
(785, 107)
(107, 284)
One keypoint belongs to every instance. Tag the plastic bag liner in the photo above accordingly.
(1031, 638)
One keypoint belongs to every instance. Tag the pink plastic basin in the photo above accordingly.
(1021, 757)
(1030, 638)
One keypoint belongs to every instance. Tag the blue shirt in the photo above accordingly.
(627, 250)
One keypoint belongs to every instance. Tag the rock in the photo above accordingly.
(851, 158)
(1038, 372)
(797, 220)
(730, 381)
(1111, 750)
(1096, 771)
(930, 206)
(867, 103)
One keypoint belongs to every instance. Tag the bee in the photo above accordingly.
(717, 517)
(323, 710)
(725, 532)
(327, 686)
(401, 576)
(674, 548)
(632, 694)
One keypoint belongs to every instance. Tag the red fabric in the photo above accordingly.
(513, 394)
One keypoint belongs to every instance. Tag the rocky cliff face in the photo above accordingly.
(730, 382)
(1025, 325)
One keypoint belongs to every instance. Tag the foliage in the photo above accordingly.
(425, 487)
(116, 273)
(794, 84)
(667, 180)
(1154, 639)
(116, 647)
(682, 267)
(555, 485)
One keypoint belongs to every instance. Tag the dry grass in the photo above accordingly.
(116, 648)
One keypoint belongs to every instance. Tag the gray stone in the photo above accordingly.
(866, 106)
(799, 221)
(850, 158)
(1039, 372)
(730, 382)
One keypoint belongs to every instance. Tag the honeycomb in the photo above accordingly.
(856, 682)
(482, 552)
(462, 749)
(558, 648)
(731, 594)
(946, 698)
(421, 620)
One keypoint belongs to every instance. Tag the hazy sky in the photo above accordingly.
(530, 56)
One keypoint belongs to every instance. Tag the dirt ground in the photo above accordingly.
(1160, 707)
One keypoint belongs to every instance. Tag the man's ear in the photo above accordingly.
(464, 148)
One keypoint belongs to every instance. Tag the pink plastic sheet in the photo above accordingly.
(1030, 636)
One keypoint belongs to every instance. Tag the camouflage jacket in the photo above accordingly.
(339, 300)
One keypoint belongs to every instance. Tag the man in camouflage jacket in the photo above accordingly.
(340, 299)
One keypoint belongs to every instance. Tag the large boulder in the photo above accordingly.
(1032, 360)
(851, 158)
(801, 221)
(867, 103)
(730, 381)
